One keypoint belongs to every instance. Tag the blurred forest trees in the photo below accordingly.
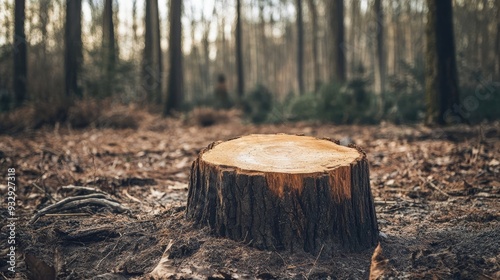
(352, 61)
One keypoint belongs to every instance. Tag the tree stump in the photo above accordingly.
(283, 191)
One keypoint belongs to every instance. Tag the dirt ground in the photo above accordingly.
(436, 193)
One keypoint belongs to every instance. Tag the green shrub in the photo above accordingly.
(480, 103)
(351, 103)
(404, 100)
(403, 107)
(334, 104)
(5, 100)
(258, 104)
(303, 107)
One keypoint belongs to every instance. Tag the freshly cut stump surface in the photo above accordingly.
(281, 191)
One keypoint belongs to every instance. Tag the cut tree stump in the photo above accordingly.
(283, 191)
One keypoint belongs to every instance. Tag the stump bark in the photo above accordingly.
(284, 192)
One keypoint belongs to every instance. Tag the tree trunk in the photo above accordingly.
(497, 43)
(397, 24)
(284, 192)
(380, 55)
(175, 79)
(263, 48)
(239, 51)
(409, 57)
(485, 38)
(337, 52)
(44, 7)
(73, 47)
(152, 63)
(20, 62)
(355, 60)
(108, 47)
(314, 22)
(134, 23)
(300, 47)
(391, 40)
(205, 42)
(441, 84)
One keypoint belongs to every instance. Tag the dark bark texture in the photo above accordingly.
(337, 48)
(441, 79)
(152, 63)
(20, 61)
(300, 48)
(331, 211)
(175, 78)
(108, 47)
(73, 47)
(239, 51)
(314, 21)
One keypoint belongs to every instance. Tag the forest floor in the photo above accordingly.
(436, 191)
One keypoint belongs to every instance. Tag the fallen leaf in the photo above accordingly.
(494, 162)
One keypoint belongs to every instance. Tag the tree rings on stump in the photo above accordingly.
(283, 191)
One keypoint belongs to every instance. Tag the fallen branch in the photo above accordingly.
(66, 214)
(131, 197)
(82, 188)
(384, 202)
(79, 202)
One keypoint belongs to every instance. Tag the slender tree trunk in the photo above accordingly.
(442, 94)
(108, 46)
(485, 37)
(497, 43)
(391, 40)
(314, 22)
(43, 17)
(206, 58)
(409, 34)
(73, 48)
(7, 21)
(157, 52)
(380, 52)
(175, 80)
(477, 33)
(397, 37)
(354, 40)
(337, 53)
(264, 50)
(20, 62)
(152, 63)
(197, 81)
(300, 47)
(239, 51)
(134, 22)
(226, 55)
(250, 55)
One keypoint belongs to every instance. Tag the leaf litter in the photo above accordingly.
(436, 193)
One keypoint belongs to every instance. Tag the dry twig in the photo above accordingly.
(78, 202)
(315, 261)
(434, 187)
(82, 188)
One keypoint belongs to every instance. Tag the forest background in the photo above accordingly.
(353, 61)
